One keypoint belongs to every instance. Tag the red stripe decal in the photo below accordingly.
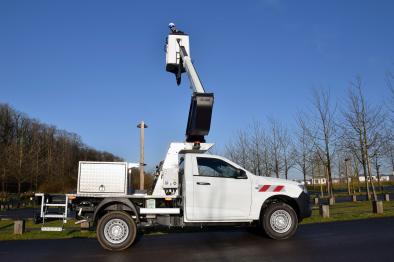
(278, 188)
(264, 188)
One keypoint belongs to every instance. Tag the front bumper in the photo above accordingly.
(304, 206)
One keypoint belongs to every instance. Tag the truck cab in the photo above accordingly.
(216, 189)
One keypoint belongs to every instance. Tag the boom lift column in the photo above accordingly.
(178, 61)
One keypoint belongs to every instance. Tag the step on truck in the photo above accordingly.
(192, 187)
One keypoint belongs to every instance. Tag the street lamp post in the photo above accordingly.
(142, 127)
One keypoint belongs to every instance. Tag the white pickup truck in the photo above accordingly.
(192, 188)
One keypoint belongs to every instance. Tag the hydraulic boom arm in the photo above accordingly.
(195, 81)
(178, 61)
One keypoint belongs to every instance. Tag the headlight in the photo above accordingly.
(303, 188)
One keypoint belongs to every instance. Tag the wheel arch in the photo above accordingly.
(284, 199)
(118, 204)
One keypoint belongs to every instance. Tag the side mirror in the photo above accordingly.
(241, 174)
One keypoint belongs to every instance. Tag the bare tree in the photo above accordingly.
(288, 152)
(390, 84)
(363, 127)
(19, 146)
(257, 147)
(323, 131)
(377, 166)
(238, 149)
(275, 144)
(388, 148)
(304, 147)
(343, 158)
(318, 170)
(265, 153)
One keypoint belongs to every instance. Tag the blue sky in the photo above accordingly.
(96, 68)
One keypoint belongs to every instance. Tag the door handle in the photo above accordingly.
(203, 183)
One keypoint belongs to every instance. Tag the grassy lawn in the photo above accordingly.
(33, 231)
(341, 189)
(350, 211)
(338, 212)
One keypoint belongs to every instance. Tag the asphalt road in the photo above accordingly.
(362, 240)
(18, 213)
(26, 213)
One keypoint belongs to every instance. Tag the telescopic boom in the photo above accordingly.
(178, 61)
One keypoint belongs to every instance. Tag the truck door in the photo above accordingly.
(220, 190)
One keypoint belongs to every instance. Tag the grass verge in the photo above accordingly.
(33, 231)
(350, 211)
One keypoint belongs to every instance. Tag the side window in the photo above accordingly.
(181, 166)
(216, 168)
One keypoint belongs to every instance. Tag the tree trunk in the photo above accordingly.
(36, 173)
(20, 173)
(286, 168)
(367, 187)
(3, 181)
(370, 176)
(378, 175)
(321, 190)
(277, 168)
(19, 189)
(353, 186)
(328, 158)
(347, 178)
(313, 176)
(328, 186)
(364, 164)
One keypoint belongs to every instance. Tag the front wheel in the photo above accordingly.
(279, 221)
(116, 231)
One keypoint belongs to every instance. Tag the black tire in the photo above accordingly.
(116, 231)
(279, 221)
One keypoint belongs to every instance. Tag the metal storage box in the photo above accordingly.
(102, 178)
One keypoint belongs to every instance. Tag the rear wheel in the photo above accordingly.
(279, 221)
(116, 231)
